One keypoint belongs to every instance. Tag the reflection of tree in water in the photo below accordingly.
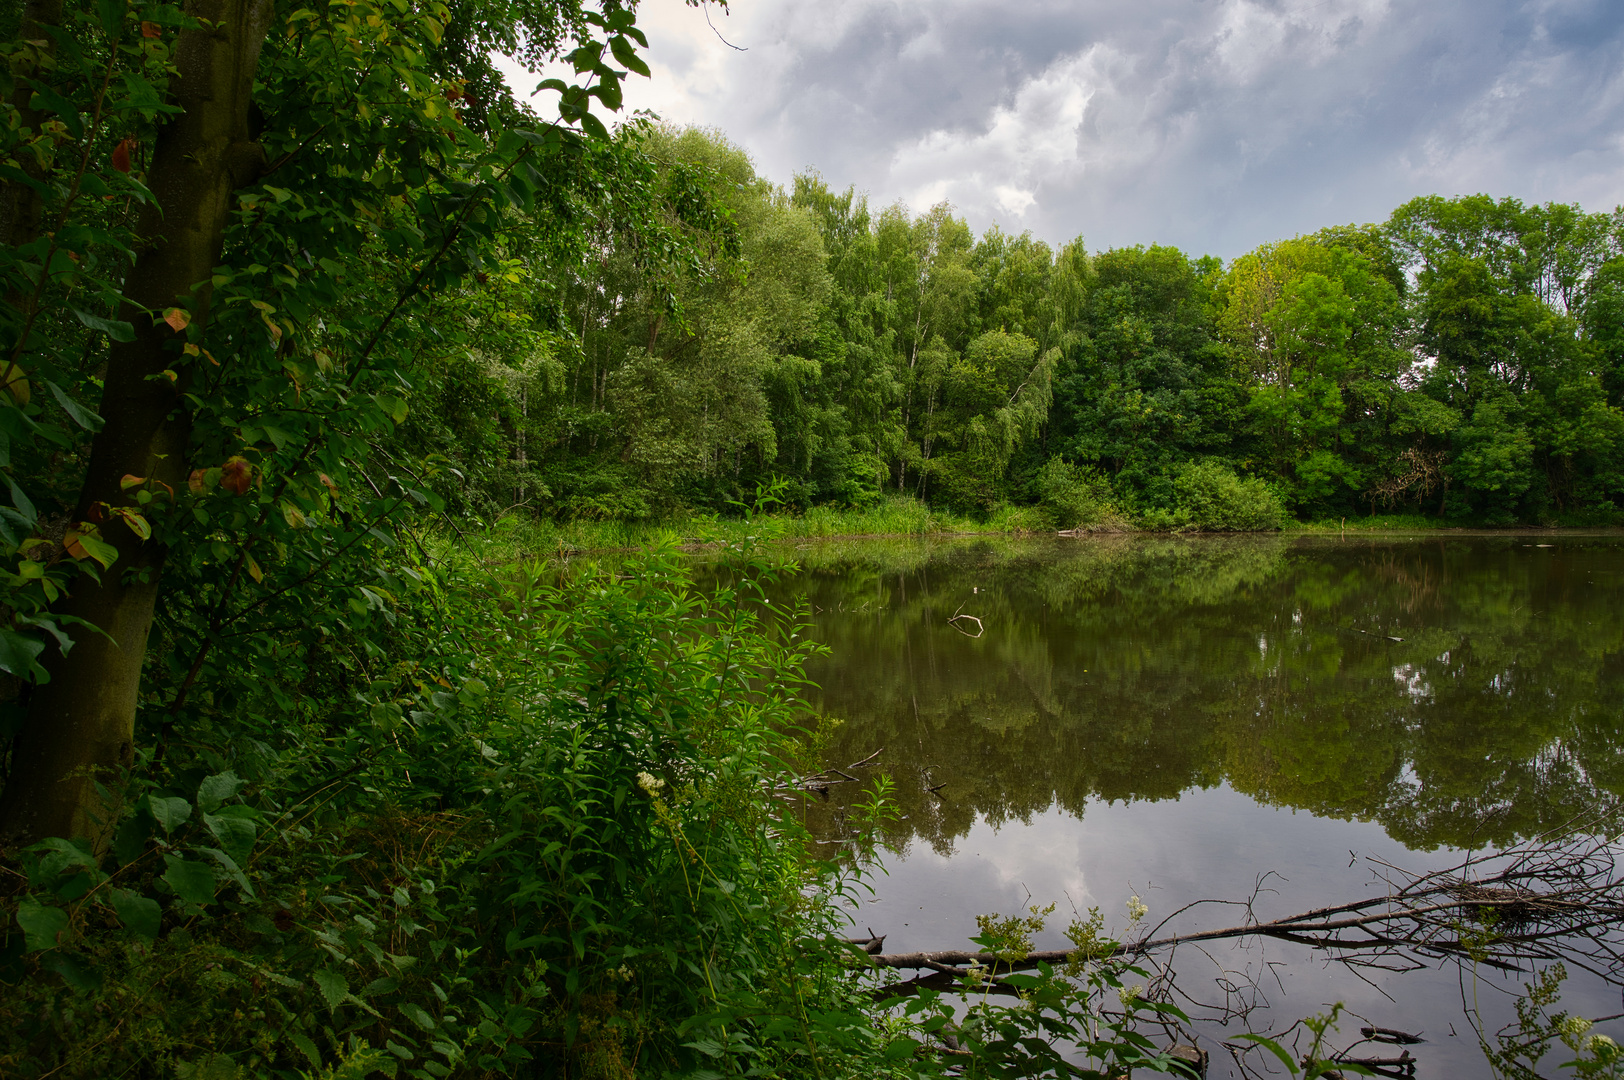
(1135, 668)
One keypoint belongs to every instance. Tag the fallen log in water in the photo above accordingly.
(1537, 901)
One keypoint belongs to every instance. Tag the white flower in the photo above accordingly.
(650, 783)
(1597, 1043)
(1137, 909)
(1573, 1026)
(1130, 994)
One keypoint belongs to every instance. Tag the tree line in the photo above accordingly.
(1460, 360)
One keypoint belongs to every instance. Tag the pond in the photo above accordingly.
(1266, 718)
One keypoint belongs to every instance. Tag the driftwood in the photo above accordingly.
(1400, 1067)
(1540, 901)
(820, 782)
(957, 618)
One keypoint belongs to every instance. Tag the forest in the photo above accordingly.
(309, 771)
(1458, 362)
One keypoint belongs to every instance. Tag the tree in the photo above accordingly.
(244, 386)
(1504, 295)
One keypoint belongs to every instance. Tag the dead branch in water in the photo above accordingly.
(1541, 901)
(957, 617)
(821, 782)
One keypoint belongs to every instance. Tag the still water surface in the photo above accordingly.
(1189, 718)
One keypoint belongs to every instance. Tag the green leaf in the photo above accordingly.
(307, 1048)
(118, 331)
(332, 986)
(74, 971)
(418, 1015)
(55, 102)
(627, 56)
(592, 126)
(608, 92)
(235, 834)
(97, 548)
(1273, 1048)
(192, 881)
(43, 927)
(77, 412)
(21, 501)
(216, 790)
(130, 842)
(18, 653)
(139, 914)
(111, 14)
(169, 812)
(394, 407)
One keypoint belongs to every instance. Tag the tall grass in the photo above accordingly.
(515, 537)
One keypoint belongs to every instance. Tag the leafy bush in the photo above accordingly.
(1212, 498)
(532, 841)
(1073, 496)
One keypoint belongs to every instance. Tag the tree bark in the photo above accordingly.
(72, 756)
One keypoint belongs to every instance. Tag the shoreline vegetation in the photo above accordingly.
(515, 536)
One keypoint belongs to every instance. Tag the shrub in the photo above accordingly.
(1073, 496)
(1212, 498)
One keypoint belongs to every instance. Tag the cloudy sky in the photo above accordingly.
(1213, 125)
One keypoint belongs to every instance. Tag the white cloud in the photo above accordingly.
(1025, 143)
(1214, 125)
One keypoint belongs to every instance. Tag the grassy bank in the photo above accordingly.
(516, 537)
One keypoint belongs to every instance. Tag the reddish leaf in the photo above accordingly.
(237, 475)
(85, 542)
(194, 483)
(177, 318)
(131, 480)
(121, 155)
(151, 30)
(332, 488)
(137, 524)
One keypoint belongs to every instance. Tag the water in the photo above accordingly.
(1191, 718)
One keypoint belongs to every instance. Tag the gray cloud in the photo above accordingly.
(1214, 125)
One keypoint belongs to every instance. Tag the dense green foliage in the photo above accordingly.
(1459, 361)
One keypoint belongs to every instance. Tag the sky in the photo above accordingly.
(1211, 125)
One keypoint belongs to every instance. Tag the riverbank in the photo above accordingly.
(512, 537)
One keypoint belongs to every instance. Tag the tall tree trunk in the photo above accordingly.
(77, 742)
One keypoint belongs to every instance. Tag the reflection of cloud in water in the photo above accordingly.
(1413, 681)
(1207, 844)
